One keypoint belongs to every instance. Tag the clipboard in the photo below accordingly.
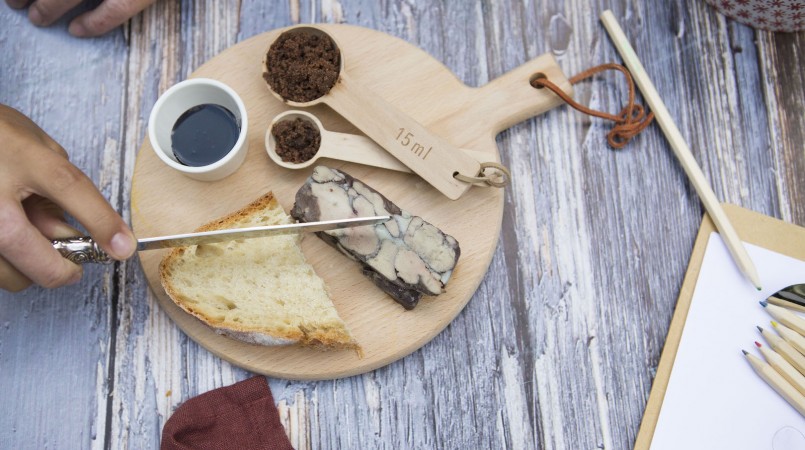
(752, 227)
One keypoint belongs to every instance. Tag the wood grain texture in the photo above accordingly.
(55, 354)
(385, 331)
(557, 348)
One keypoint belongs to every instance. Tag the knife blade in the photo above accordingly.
(84, 249)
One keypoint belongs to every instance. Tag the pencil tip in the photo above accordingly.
(758, 344)
(759, 288)
(745, 352)
(764, 303)
(774, 324)
(759, 329)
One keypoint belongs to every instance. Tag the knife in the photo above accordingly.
(83, 249)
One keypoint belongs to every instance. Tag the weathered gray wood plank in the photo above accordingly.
(156, 366)
(784, 95)
(54, 345)
(558, 347)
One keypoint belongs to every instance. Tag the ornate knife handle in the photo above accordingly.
(81, 250)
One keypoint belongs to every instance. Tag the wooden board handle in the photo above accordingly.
(428, 155)
(510, 98)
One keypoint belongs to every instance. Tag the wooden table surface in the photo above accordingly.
(558, 347)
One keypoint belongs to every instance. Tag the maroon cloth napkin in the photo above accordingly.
(241, 416)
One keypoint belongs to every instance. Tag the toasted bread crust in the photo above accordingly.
(267, 201)
(324, 337)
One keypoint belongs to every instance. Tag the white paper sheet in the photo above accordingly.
(714, 398)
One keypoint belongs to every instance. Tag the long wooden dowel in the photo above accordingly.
(681, 149)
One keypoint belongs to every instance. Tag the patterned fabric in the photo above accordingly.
(772, 15)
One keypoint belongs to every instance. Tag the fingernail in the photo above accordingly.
(122, 245)
(77, 29)
(35, 16)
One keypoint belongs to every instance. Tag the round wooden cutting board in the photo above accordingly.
(166, 202)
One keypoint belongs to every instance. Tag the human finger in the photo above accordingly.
(48, 218)
(44, 12)
(30, 252)
(11, 279)
(48, 142)
(13, 120)
(68, 187)
(108, 15)
(17, 4)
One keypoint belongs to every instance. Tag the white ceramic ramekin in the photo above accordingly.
(178, 99)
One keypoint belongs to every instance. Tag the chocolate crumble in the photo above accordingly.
(297, 140)
(302, 66)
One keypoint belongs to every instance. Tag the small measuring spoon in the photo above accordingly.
(345, 147)
(432, 158)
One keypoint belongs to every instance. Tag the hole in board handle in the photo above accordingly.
(535, 77)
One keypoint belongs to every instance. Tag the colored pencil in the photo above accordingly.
(681, 149)
(792, 337)
(785, 349)
(783, 367)
(777, 382)
(794, 293)
(785, 303)
(785, 317)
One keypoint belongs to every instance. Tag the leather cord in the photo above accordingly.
(629, 122)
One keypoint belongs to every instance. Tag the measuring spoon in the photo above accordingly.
(345, 147)
(428, 155)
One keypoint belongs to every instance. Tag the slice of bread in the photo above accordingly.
(260, 290)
